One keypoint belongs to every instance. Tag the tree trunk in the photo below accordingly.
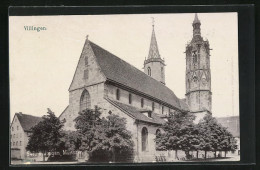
(225, 154)
(113, 155)
(43, 155)
(176, 154)
(205, 155)
(215, 154)
(197, 154)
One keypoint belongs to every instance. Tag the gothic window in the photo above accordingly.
(142, 102)
(16, 143)
(194, 56)
(20, 143)
(130, 98)
(85, 100)
(162, 72)
(86, 74)
(86, 60)
(153, 106)
(204, 79)
(149, 71)
(117, 94)
(144, 139)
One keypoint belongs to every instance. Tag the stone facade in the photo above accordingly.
(154, 67)
(198, 76)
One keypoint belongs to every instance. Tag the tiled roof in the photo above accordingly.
(121, 72)
(27, 121)
(231, 123)
(136, 113)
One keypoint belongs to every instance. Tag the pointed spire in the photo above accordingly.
(196, 19)
(153, 51)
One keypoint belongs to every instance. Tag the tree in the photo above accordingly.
(179, 133)
(46, 135)
(228, 142)
(206, 133)
(105, 139)
(214, 137)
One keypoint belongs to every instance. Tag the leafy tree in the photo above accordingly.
(46, 135)
(214, 137)
(228, 142)
(105, 139)
(206, 133)
(179, 133)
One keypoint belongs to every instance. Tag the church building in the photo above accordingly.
(142, 97)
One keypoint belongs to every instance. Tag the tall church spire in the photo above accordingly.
(196, 26)
(196, 19)
(154, 65)
(153, 51)
(198, 74)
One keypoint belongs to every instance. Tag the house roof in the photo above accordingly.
(136, 113)
(231, 123)
(119, 71)
(27, 121)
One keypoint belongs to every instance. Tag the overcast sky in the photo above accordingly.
(42, 64)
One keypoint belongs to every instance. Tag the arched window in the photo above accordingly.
(130, 98)
(162, 109)
(86, 60)
(20, 143)
(85, 101)
(142, 102)
(117, 94)
(144, 139)
(153, 106)
(162, 72)
(16, 143)
(149, 71)
(14, 135)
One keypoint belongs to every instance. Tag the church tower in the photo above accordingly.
(198, 76)
(154, 64)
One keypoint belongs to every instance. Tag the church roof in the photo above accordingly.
(231, 123)
(27, 121)
(119, 71)
(136, 113)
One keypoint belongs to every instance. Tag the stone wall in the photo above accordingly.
(110, 91)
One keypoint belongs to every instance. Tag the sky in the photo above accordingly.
(42, 64)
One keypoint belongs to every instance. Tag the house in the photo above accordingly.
(20, 130)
